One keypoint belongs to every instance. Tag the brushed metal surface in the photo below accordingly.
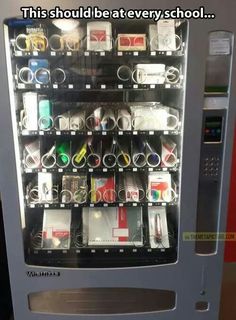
(101, 301)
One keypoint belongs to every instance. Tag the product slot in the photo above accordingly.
(105, 189)
(89, 234)
(97, 37)
(49, 154)
(40, 113)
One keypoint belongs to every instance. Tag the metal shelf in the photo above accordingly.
(100, 170)
(99, 205)
(98, 133)
(110, 54)
(91, 87)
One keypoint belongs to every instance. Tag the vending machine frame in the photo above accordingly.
(195, 278)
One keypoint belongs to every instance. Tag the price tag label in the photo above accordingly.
(219, 46)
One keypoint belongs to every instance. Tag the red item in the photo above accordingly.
(98, 35)
(131, 41)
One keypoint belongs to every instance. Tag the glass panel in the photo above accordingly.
(97, 119)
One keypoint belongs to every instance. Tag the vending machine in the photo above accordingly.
(115, 152)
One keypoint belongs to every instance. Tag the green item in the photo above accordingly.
(45, 113)
(63, 151)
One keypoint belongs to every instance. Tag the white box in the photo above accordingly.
(56, 229)
(152, 73)
(45, 187)
(166, 35)
(112, 226)
(99, 36)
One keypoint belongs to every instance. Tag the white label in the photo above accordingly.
(102, 54)
(72, 133)
(88, 86)
(153, 53)
(119, 232)
(37, 86)
(58, 133)
(75, 170)
(25, 133)
(55, 86)
(120, 53)
(18, 53)
(21, 85)
(135, 53)
(103, 86)
(69, 53)
(104, 169)
(70, 86)
(53, 53)
(86, 53)
(152, 86)
(120, 86)
(219, 46)
(120, 133)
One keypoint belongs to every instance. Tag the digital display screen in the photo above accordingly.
(213, 129)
